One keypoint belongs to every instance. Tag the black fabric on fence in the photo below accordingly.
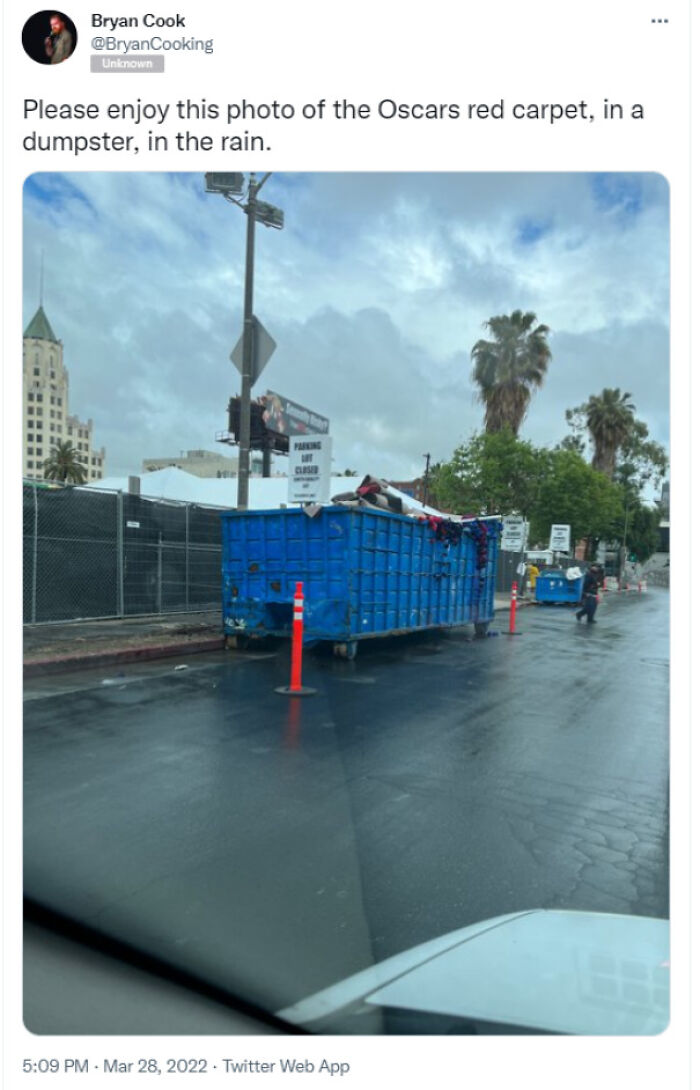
(162, 557)
(506, 572)
(72, 570)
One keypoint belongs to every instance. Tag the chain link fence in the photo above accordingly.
(507, 572)
(90, 553)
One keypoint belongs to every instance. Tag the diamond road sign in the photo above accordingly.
(263, 347)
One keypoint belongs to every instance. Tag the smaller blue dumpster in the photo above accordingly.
(553, 588)
(366, 574)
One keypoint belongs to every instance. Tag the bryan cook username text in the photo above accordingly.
(149, 21)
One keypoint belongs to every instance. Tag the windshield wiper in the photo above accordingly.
(84, 935)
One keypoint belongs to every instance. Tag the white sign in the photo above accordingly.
(560, 539)
(513, 538)
(309, 468)
(542, 558)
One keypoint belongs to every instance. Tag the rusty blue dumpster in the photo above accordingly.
(366, 573)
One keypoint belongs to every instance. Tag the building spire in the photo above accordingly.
(40, 327)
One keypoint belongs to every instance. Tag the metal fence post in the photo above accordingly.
(159, 587)
(187, 556)
(35, 552)
(120, 553)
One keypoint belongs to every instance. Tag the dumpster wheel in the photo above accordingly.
(481, 629)
(345, 650)
(238, 643)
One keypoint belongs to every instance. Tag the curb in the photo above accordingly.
(127, 654)
(88, 660)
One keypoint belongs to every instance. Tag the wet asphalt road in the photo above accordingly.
(277, 846)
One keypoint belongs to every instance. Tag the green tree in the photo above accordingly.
(638, 528)
(497, 473)
(493, 473)
(610, 421)
(63, 465)
(642, 536)
(509, 367)
(574, 493)
(573, 442)
(631, 459)
(643, 460)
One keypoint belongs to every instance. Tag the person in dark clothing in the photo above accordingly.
(589, 604)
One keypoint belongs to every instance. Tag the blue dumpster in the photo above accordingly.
(366, 573)
(552, 586)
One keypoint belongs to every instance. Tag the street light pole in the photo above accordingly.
(623, 548)
(231, 186)
(248, 346)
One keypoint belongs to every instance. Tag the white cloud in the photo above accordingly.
(375, 292)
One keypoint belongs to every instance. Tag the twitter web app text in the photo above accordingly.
(346, 196)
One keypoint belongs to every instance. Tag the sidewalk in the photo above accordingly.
(51, 648)
(502, 601)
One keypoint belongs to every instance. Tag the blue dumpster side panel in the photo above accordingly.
(556, 588)
(365, 573)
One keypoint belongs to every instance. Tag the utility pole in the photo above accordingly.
(248, 348)
(231, 186)
(425, 479)
(623, 547)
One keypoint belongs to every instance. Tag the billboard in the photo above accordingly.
(285, 417)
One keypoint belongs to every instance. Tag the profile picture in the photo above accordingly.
(49, 37)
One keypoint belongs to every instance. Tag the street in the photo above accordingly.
(276, 846)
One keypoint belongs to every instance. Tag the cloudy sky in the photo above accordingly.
(375, 292)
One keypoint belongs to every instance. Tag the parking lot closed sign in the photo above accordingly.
(560, 539)
(513, 538)
(309, 469)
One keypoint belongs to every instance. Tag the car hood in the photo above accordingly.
(552, 971)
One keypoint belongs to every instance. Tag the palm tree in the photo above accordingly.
(509, 367)
(63, 465)
(610, 421)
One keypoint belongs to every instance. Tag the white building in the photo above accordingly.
(46, 418)
(201, 463)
